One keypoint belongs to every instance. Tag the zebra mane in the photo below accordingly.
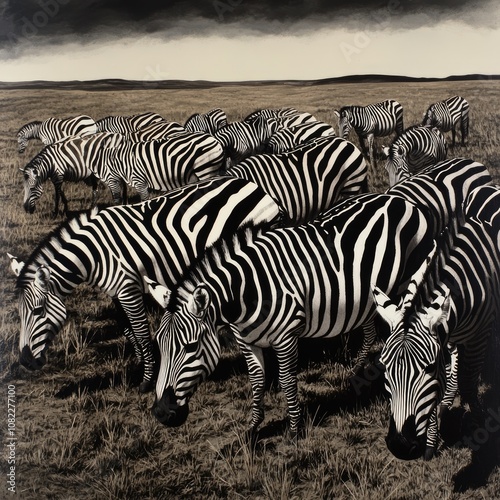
(213, 257)
(26, 126)
(47, 248)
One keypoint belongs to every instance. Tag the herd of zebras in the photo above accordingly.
(266, 227)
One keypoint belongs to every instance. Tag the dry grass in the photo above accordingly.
(84, 431)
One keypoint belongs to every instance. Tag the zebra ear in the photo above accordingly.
(16, 265)
(439, 310)
(199, 301)
(337, 114)
(159, 292)
(42, 277)
(389, 312)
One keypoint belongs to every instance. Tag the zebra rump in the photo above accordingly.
(288, 138)
(111, 250)
(308, 179)
(416, 148)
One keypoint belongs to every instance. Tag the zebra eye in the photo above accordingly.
(38, 311)
(430, 368)
(191, 347)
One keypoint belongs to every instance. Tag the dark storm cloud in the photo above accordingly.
(56, 21)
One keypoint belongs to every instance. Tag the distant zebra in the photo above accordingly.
(416, 148)
(67, 160)
(159, 165)
(54, 130)
(156, 131)
(455, 303)
(273, 287)
(208, 122)
(111, 250)
(308, 179)
(371, 121)
(127, 124)
(243, 139)
(447, 114)
(288, 138)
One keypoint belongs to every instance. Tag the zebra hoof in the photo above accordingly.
(146, 386)
(429, 453)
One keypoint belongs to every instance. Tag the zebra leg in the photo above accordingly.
(432, 436)
(254, 358)
(287, 354)
(371, 140)
(116, 192)
(369, 336)
(132, 303)
(124, 325)
(95, 183)
(453, 134)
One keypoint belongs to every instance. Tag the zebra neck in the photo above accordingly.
(69, 262)
(32, 130)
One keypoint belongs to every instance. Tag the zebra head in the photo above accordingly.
(189, 349)
(345, 121)
(430, 119)
(42, 315)
(33, 186)
(414, 359)
(25, 133)
(396, 164)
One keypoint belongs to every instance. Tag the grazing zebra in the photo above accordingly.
(273, 287)
(54, 130)
(416, 148)
(156, 131)
(308, 179)
(208, 122)
(288, 138)
(127, 124)
(455, 303)
(243, 139)
(442, 190)
(371, 121)
(447, 114)
(159, 165)
(111, 250)
(68, 160)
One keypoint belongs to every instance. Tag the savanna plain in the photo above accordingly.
(83, 429)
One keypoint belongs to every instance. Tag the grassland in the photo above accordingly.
(83, 430)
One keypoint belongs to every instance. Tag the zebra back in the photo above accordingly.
(209, 122)
(127, 124)
(288, 138)
(156, 131)
(308, 179)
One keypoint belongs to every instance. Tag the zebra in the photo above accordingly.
(159, 165)
(243, 139)
(443, 189)
(371, 121)
(447, 114)
(112, 249)
(54, 130)
(415, 149)
(208, 122)
(127, 124)
(454, 303)
(276, 113)
(288, 138)
(67, 160)
(272, 287)
(156, 131)
(308, 179)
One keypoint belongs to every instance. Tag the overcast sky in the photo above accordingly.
(230, 40)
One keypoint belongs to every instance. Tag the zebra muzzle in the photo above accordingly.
(29, 361)
(168, 412)
(29, 207)
(405, 445)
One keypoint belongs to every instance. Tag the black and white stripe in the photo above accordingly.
(273, 287)
(454, 304)
(54, 130)
(159, 165)
(374, 120)
(111, 250)
(447, 115)
(289, 138)
(156, 131)
(127, 124)
(308, 179)
(208, 122)
(416, 148)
